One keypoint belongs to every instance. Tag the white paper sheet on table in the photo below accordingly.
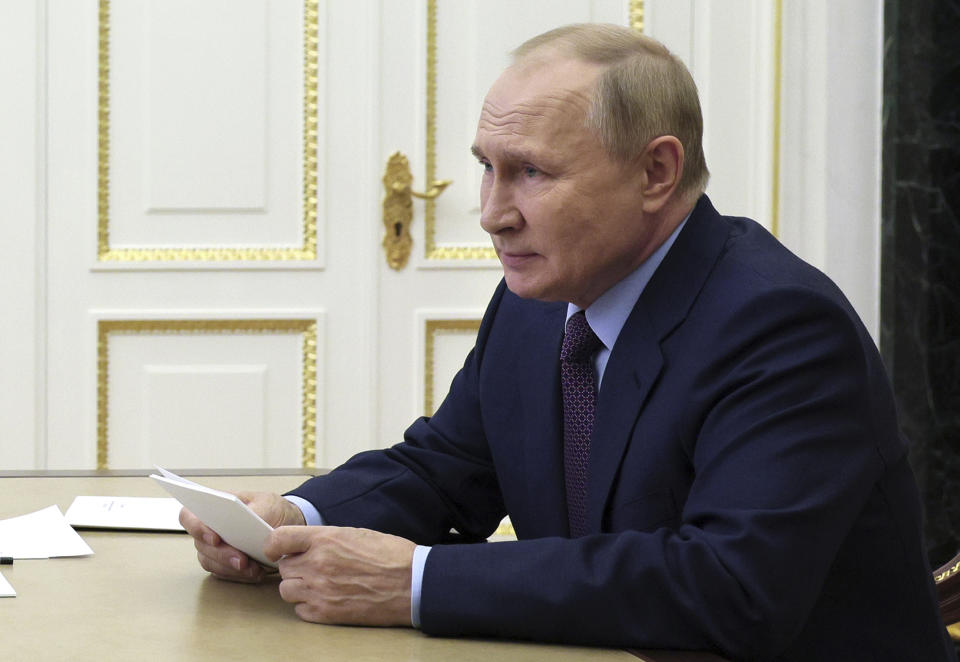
(40, 535)
(6, 590)
(137, 513)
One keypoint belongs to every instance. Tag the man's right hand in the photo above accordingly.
(226, 562)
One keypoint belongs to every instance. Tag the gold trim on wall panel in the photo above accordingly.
(306, 327)
(636, 15)
(433, 327)
(431, 250)
(307, 251)
(777, 82)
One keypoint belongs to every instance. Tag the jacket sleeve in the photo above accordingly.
(438, 485)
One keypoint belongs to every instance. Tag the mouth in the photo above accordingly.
(515, 259)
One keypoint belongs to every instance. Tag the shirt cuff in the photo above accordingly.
(310, 513)
(416, 582)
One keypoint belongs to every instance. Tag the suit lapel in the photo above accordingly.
(542, 433)
(636, 360)
(632, 370)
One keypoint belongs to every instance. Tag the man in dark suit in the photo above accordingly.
(716, 466)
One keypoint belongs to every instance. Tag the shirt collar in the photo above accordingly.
(610, 311)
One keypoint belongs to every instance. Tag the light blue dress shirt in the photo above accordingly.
(606, 317)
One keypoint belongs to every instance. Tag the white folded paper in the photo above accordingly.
(40, 535)
(130, 513)
(223, 512)
(6, 590)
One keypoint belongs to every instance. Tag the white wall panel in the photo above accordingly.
(222, 392)
(229, 399)
(204, 389)
(204, 107)
(444, 338)
(22, 234)
(206, 124)
(214, 415)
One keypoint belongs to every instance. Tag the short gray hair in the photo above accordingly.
(645, 92)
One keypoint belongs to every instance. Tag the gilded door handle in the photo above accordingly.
(398, 208)
(429, 194)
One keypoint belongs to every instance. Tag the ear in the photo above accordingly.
(662, 163)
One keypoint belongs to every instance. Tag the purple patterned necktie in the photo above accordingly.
(579, 409)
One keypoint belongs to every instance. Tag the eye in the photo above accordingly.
(530, 171)
(486, 165)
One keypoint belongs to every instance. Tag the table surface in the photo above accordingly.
(144, 592)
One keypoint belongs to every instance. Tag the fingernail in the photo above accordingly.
(235, 562)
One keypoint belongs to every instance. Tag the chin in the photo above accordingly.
(527, 290)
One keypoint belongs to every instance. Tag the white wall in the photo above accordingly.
(831, 156)
(21, 232)
(828, 177)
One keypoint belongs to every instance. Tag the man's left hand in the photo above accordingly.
(343, 575)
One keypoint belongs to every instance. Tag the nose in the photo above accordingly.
(498, 210)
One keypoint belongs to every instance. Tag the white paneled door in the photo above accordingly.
(225, 243)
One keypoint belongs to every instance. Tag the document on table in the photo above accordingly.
(40, 535)
(223, 512)
(129, 513)
(6, 590)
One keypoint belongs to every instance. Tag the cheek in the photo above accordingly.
(484, 192)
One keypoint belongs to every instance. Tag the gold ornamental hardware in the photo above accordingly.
(398, 208)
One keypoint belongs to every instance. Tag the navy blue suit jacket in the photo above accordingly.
(749, 491)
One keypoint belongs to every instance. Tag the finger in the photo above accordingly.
(313, 613)
(285, 540)
(222, 554)
(200, 531)
(251, 573)
(224, 560)
(293, 589)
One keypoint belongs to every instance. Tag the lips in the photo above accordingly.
(515, 259)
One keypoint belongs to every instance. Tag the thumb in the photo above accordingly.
(286, 540)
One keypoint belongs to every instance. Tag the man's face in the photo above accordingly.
(564, 216)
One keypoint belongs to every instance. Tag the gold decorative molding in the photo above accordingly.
(431, 250)
(103, 131)
(434, 328)
(311, 46)
(636, 15)
(308, 249)
(777, 84)
(306, 327)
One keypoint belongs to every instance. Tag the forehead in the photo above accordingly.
(540, 97)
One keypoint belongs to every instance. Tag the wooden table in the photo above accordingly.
(143, 596)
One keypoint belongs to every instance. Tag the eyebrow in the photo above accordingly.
(508, 154)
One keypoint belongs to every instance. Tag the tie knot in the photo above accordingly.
(579, 341)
